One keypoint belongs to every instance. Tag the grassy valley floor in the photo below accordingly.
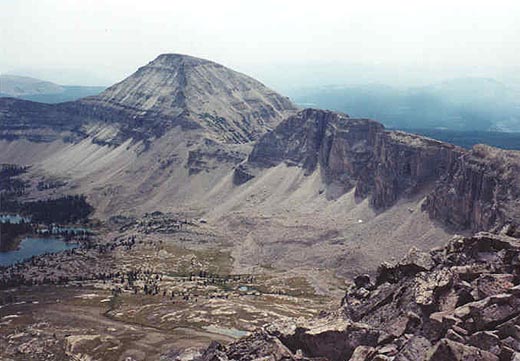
(152, 288)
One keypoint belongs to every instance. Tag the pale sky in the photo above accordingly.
(282, 43)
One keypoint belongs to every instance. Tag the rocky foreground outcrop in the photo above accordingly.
(467, 189)
(459, 302)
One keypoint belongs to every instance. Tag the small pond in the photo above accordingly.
(231, 332)
(34, 247)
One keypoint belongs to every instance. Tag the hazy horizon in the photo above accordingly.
(285, 45)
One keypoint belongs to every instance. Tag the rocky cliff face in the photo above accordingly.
(475, 189)
(480, 190)
(353, 153)
(459, 302)
(404, 165)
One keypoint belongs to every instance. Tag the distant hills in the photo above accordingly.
(469, 138)
(465, 104)
(43, 91)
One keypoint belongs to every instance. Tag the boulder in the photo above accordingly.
(448, 350)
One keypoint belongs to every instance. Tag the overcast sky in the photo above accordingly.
(283, 43)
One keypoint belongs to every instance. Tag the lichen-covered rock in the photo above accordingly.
(258, 346)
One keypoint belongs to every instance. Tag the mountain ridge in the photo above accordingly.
(468, 189)
(16, 86)
(167, 142)
(37, 90)
(131, 159)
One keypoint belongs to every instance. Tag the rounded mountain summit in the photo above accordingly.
(177, 89)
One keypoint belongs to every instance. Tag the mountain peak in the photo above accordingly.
(177, 89)
(174, 59)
